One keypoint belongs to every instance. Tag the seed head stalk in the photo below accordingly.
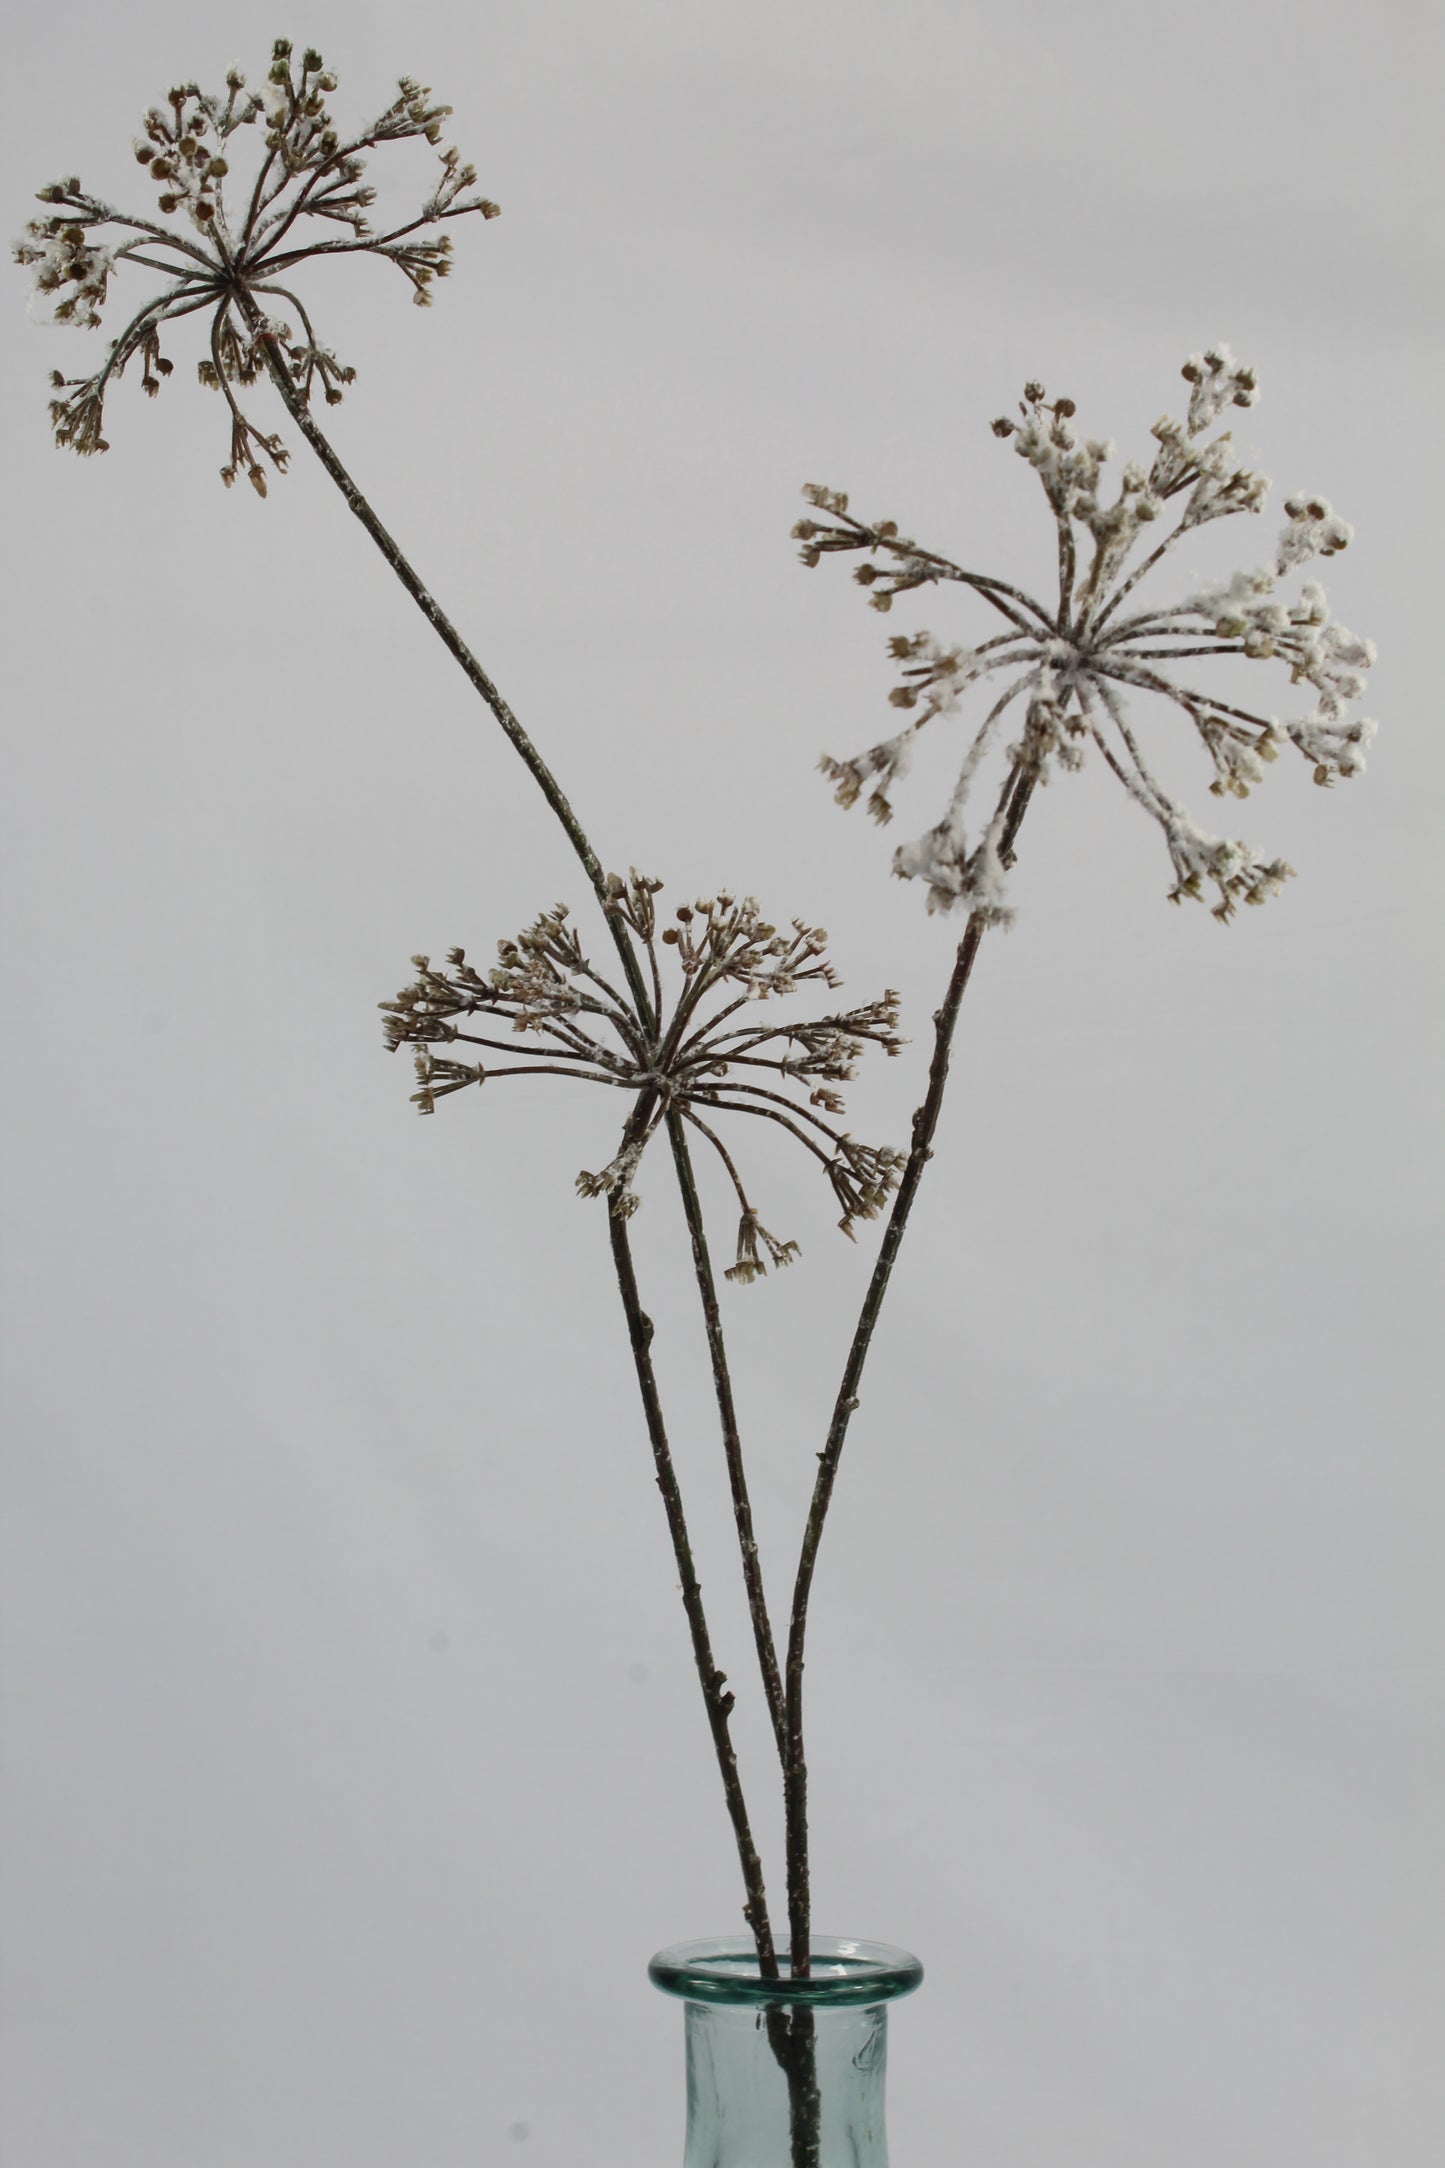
(1071, 668)
(716, 1696)
(450, 638)
(1017, 793)
(764, 1643)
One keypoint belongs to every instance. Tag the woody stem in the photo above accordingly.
(452, 640)
(718, 1702)
(925, 1123)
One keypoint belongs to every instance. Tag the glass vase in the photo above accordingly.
(785, 2073)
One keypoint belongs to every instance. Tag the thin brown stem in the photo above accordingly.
(1173, 654)
(552, 1068)
(764, 1642)
(1134, 578)
(1152, 682)
(452, 640)
(730, 1106)
(761, 1091)
(925, 1123)
(568, 1048)
(718, 1702)
(695, 1121)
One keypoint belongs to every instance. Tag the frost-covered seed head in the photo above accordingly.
(1074, 663)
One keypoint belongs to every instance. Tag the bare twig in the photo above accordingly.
(925, 1123)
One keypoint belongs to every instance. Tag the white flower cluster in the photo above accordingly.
(1073, 662)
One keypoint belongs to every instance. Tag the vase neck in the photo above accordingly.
(785, 2073)
(786, 2087)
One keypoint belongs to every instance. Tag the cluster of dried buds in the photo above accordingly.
(1072, 664)
(692, 1054)
(236, 258)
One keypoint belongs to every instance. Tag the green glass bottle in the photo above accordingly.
(784, 2073)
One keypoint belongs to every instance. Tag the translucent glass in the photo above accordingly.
(784, 2073)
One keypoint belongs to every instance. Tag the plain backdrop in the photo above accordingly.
(353, 1760)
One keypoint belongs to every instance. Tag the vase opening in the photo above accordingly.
(785, 2073)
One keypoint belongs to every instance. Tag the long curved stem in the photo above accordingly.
(925, 1123)
(713, 1682)
(456, 646)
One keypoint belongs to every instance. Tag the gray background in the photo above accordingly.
(353, 1766)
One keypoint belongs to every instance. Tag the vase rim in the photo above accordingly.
(724, 1968)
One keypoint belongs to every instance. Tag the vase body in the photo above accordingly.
(784, 2073)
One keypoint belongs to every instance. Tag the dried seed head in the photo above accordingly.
(222, 259)
(1073, 663)
(697, 1059)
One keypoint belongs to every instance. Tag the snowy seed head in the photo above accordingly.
(1072, 665)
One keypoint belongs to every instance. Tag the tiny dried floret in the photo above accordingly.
(750, 1265)
(232, 256)
(1071, 664)
(691, 1055)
